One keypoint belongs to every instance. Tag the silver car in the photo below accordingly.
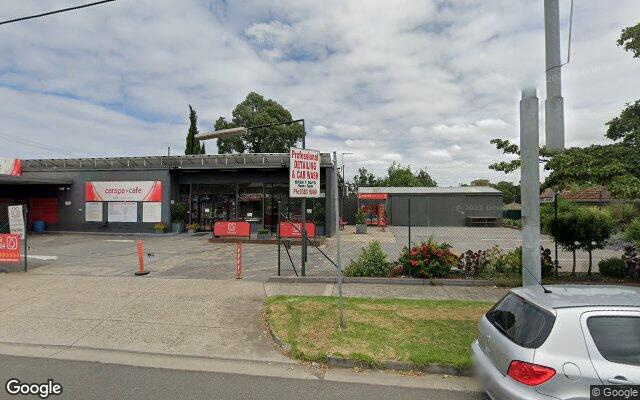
(537, 344)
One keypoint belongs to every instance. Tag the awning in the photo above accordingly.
(23, 180)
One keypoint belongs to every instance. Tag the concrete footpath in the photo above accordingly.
(173, 323)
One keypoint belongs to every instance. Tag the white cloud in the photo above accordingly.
(425, 83)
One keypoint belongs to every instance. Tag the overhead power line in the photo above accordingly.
(55, 12)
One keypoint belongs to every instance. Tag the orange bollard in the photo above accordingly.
(238, 260)
(141, 270)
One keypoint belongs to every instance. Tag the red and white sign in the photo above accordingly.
(372, 196)
(123, 191)
(9, 247)
(294, 229)
(10, 166)
(232, 228)
(304, 173)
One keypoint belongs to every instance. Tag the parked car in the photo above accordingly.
(533, 344)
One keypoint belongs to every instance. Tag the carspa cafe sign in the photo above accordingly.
(304, 173)
(123, 191)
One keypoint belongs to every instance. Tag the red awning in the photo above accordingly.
(372, 196)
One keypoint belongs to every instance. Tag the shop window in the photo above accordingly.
(250, 201)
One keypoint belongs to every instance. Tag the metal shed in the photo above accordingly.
(438, 206)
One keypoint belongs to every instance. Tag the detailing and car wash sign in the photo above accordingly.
(123, 191)
(10, 166)
(9, 247)
(304, 173)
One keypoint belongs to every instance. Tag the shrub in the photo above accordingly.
(371, 262)
(512, 222)
(631, 259)
(161, 226)
(178, 212)
(428, 260)
(613, 267)
(597, 227)
(623, 213)
(632, 233)
(495, 261)
(473, 263)
(361, 217)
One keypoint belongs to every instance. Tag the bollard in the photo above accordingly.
(141, 270)
(238, 260)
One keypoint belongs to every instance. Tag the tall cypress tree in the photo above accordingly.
(193, 145)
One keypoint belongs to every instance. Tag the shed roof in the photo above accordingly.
(431, 190)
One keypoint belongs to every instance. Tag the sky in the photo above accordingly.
(424, 83)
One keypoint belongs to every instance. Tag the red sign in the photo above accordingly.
(9, 247)
(232, 228)
(372, 196)
(294, 229)
(382, 218)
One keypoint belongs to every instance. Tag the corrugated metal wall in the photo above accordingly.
(442, 209)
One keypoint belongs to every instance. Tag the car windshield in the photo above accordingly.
(521, 321)
(617, 338)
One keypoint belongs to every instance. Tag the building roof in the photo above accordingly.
(203, 161)
(596, 194)
(562, 296)
(431, 190)
(22, 180)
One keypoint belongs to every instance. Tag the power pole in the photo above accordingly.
(530, 187)
(554, 103)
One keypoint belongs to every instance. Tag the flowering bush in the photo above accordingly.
(428, 260)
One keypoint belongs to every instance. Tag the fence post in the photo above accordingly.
(409, 218)
(278, 236)
(303, 245)
(337, 230)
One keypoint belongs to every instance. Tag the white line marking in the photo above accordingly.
(42, 257)
(120, 240)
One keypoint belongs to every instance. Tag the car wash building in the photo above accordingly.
(428, 206)
(132, 194)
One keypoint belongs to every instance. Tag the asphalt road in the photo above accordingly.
(90, 380)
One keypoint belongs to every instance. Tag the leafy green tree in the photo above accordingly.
(567, 229)
(615, 166)
(365, 179)
(597, 227)
(400, 176)
(255, 110)
(481, 182)
(426, 179)
(193, 146)
(510, 192)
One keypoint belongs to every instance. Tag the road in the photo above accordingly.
(91, 380)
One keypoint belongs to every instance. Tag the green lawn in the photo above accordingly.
(419, 331)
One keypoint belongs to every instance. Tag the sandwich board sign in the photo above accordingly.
(16, 221)
(9, 247)
(304, 173)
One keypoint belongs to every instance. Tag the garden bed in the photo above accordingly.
(377, 332)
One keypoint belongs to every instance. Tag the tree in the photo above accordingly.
(481, 182)
(400, 176)
(365, 178)
(615, 166)
(426, 179)
(567, 230)
(193, 145)
(253, 111)
(598, 225)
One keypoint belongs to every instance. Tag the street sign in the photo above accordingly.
(304, 173)
(16, 221)
(9, 247)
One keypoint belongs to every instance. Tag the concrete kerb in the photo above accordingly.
(388, 365)
(383, 281)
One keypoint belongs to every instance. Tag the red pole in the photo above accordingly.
(141, 270)
(238, 260)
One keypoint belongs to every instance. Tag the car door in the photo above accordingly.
(613, 342)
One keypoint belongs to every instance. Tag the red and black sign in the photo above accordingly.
(232, 228)
(9, 247)
(294, 229)
(372, 196)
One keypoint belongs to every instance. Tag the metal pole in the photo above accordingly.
(530, 187)
(554, 103)
(409, 219)
(338, 257)
(555, 221)
(279, 240)
(26, 233)
(303, 247)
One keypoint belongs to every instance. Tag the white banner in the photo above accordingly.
(93, 211)
(123, 191)
(304, 173)
(123, 212)
(16, 221)
(10, 166)
(152, 212)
